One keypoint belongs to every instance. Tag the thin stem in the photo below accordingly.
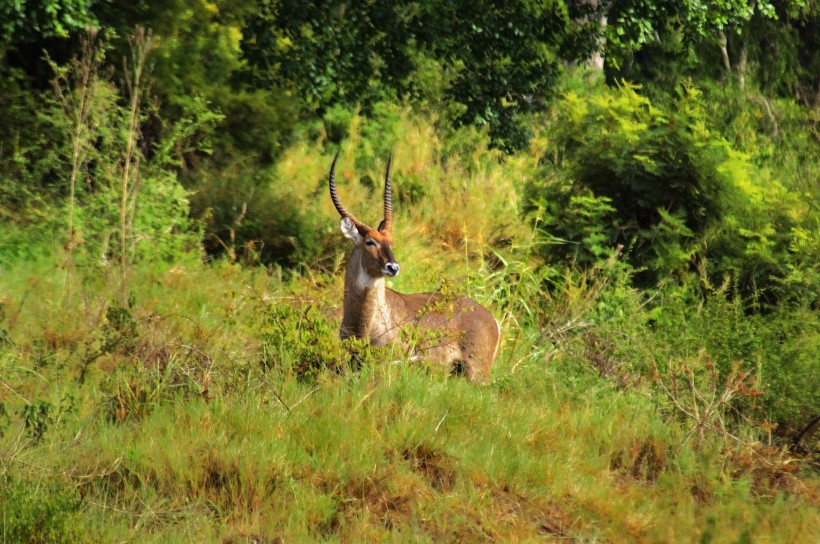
(140, 47)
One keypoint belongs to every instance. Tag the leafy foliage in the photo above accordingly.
(732, 40)
(302, 342)
(657, 180)
(502, 57)
(28, 21)
(39, 512)
(626, 171)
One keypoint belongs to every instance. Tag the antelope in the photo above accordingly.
(456, 331)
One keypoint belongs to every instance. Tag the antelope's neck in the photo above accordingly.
(366, 313)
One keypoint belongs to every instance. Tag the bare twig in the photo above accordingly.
(10, 388)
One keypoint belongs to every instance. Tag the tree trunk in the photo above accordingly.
(596, 61)
(741, 64)
(724, 52)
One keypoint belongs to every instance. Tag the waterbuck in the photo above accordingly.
(449, 330)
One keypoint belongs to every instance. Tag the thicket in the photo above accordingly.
(171, 265)
(661, 181)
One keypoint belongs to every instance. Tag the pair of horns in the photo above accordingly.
(387, 223)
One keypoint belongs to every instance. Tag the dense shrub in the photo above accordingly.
(258, 218)
(652, 179)
(39, 511)
(779, 352)
(659, 180)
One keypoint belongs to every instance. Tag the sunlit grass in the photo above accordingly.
(397, 450)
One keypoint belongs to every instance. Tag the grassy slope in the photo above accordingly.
(187, 436)
(184, 418)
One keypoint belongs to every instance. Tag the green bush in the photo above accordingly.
(778, 352)
(302, 342)
(788, 367)
(660, 181)
(259, 218)
(651, 179)
(773, 245)
(39, 511)
(72, 176)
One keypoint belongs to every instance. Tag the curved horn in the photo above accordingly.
(338, 203)
(388, 197)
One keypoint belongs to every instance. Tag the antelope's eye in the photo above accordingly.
(371, 242)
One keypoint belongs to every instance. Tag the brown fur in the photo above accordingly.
(445, 330)
(452, 330)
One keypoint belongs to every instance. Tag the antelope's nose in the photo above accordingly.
(391, 269)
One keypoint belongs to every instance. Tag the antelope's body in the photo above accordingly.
(453, 331)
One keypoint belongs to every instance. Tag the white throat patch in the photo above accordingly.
(366, 281)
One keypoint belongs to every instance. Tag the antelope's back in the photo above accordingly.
(460, 326)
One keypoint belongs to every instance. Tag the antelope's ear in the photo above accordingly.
(350, 230)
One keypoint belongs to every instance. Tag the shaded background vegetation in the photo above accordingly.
(631, 188)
